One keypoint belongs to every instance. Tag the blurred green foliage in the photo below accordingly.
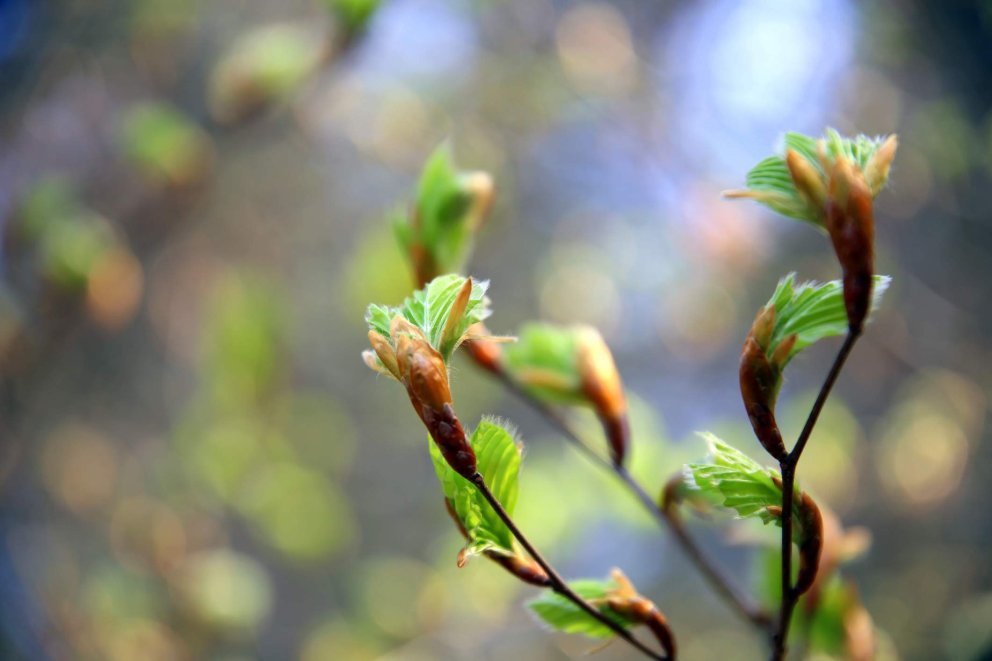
(164, 145)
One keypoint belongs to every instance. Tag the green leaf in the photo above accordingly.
(561, 614)
(429, 308)
(498, 458)
(805, 146)
(378, 318)
(858, 149)
(442, 227)
(544, 359)
(736, 481)
(770, 182)
(770, 178)
(813, 311)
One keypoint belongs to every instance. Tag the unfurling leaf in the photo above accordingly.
(438, 233)
(544, 359)
(403, 350)
(561, 614)
(796, 183)
(811, 312)
(498, 460)
(795, 317)
(572, 365)
(617, 599)
(831, 183)
(443, 311)
(735, 481)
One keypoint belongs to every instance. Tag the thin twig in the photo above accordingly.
(788, 468)
(558, 584)
(720, 583)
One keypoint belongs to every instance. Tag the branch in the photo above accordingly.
(788, 467)
(557, 583)
(720, 583)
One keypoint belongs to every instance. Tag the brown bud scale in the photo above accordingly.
(758, 381)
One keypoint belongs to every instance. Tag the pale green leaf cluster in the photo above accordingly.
(771, 178)
(544, 359)
(563, 615)
(813, 311)
(498, 459)
(441, 223)
(860, 149)
(770, 182)
(735, 481)
(430, 308)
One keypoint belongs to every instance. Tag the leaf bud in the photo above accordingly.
(759, 383)
(625, 601)
(808, 182)
(600, 383)
(850, 224)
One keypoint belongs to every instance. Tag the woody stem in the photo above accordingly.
(720, 583)
(788, 467)
(558, 584)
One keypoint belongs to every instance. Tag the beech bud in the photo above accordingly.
(600, 383)
(759, 383)
(810, 543)
(486, 353)
(808, 181)
(760, 377)
(628, 603)
(423, 372)
(850, 224)
(808, 536)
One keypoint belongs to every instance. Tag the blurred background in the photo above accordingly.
(195, 463)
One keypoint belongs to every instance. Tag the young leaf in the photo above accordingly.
(498, 458)
(544, 360)
(812, 312)
(441, 310)
(736, 481)
(562, 615)
(572, 365)
(770, 183)
(450, 206)
(794, 186)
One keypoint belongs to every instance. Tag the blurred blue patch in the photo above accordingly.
(15, 18)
